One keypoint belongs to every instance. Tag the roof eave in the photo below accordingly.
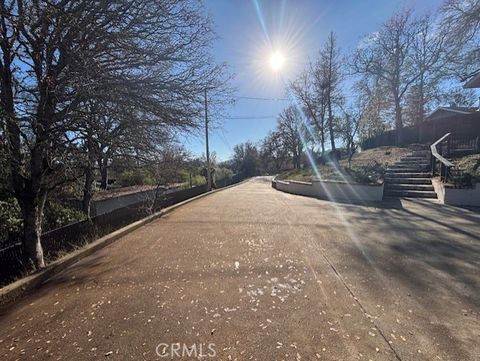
(473, 82)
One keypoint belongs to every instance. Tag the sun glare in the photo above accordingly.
(277, 61)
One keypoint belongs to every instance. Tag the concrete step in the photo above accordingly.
(407, 165)
(411, 157)
(407, 170)
(413, 160)
(409, 180)
(409, 193)
(420, 153)
(406, 174)
(407, 186)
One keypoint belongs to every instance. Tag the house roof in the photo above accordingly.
(454, 110)
(472, 80)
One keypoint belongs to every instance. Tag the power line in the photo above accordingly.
(267, 99)
(254, 117)
(282, 99)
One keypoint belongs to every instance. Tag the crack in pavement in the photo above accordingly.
(380, 331)
(340, 278)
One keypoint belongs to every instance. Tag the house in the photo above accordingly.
(453, 112)
(463, 121)
(472, 80)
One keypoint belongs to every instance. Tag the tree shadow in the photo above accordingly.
(423, 246)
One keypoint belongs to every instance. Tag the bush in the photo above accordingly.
(57, 215)
(467, 171)
(462, 179)
(134, 178)
(370, 173)
(197, 179)
(222, 173)
(10, 222)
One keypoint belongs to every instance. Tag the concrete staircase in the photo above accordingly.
(410, 177)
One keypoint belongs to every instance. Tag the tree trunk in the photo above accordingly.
(104, 174)
(89, 179)
(322, 138)
(398, 121)
(32, 209)
(299, 155)
(330, 128)
(332, 135)
(156, 199)
(296, 162)
(87, 191)
(421, 95)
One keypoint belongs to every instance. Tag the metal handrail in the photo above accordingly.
(445, 164)
(435, 153)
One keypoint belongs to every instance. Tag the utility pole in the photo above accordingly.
(209, 179)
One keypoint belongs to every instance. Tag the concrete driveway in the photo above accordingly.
(250, 273)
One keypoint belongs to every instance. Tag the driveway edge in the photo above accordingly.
(18, 288)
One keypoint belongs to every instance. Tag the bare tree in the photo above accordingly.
(293, 133)
(113, 131)
(429, 57)
(386, 55)
(151, 56)
(330, 71)
(273, 151)
(309, 90)
(348, 128)
(319, 92)
(460, 22)
(371, 91)
(167, 164)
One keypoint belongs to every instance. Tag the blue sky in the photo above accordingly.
(247, 33)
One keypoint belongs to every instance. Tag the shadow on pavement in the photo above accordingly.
(429, 248)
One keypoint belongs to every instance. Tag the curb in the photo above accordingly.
(18, 288)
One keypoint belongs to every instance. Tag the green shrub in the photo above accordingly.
(197, 179)
(136, 177)
(57, 215)
(221, 173)
(462, 179)
(10, 222)
(370, 173)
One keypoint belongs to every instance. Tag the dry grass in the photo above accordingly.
(366, 167)
(469, 166)
(382, 155)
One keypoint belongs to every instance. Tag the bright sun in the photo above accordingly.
(276, 61)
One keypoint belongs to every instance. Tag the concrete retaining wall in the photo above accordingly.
(294, 187)
(457, 196)
(332, 190)
(110, 204)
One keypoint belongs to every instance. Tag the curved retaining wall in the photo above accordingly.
(332, 190)
(457, 196)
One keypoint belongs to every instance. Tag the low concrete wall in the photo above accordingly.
(295, 187)
(457, 196)
(332, 190)
(110, 204)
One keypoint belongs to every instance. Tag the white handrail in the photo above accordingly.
(433, 149)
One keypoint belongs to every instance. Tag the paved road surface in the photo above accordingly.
(256, 274)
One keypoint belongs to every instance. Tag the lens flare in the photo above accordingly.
(277, 61)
